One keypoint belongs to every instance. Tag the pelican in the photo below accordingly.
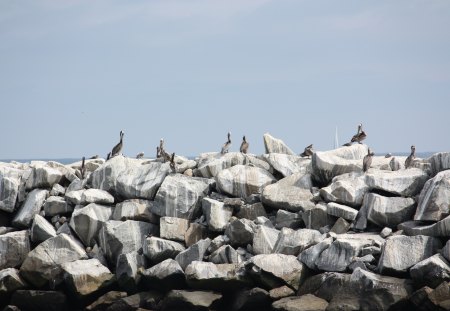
(158, 152)
(140, 155)
(388, 155)
(394, 164)
(367, 161)
(411, 157)
(308, 151)
(162, 151)
(227, 144)
(360, 136)
(244, 145)
(108, 156)
(172, 162)
(118, 148)
(94, 157)
(83, 168)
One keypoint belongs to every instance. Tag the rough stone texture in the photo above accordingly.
(243, 181)
(31, 207)
(225, 254)
(303, 303)
(446, 250)
(135, 209)
(148, 299)
(264, 240)
(43, 177)
(431, 271)
(36, 300)
(310, 255)
(41, 229)
(43, 264)
(389, 211)
(400, 253)
(293, 242)
(10, 180)
(240, 231)
(439, 162)
(84, 277)
(251, 299)
(14, 247)
(275, 270)
(181, 196)
(167, 275)
(285, 219)
(97, 196)
(340, 226)
(433, 201)
(88, 220)
(251, 212)
(317, 217)
(10, 281)
(405, 183)
(339, 210)
(104, 301)
(172, 228)
(74, 196)
(327, 285)
(195, 233)
(439, 229)
(127, 271)
(195, 252)
(287, 165)
(157, 250)
(348, 189)
(281, 292)
(190, 300)
(56, 206)
(129, 178)
(328, 164)
(385, 232)
(217, 215)
(116, 237)
(275, 145)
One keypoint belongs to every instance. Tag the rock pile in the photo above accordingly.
(227, 232)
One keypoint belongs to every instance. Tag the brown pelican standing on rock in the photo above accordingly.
(227, 144)
(367, 161)
(158, 152)
(394, 164)
(411, 157)
(308, 152)
(140, 155)
(108, 156)
(118, 148)
(358, 137)
(172, 162)
(162, 151)
(83, 168)
(94, 157)
(244, 145)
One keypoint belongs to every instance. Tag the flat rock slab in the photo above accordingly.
(438, 229)
(302, 303)
(97, 196)
(343, 211)
(389, 211)
(287, 165)
(157, 249)
(433, 202)
(404, 183)
(33, 204)
(173, 228)
(190, 300)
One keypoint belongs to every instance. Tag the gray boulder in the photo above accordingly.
(317, 217)
(43, 177)
(195, 233)
(10, 281)
(433, 201)
(14, 248)
(340, 226)
(166, 275)
(293, 242)
(404, 183)
(275, 145)
(328, 164)
(88, 220)
(301, 303)
(399, 253)
(127, 270)
(157, 250)
(74, 196)
(41, 229)
(251, 299)
(339, 210)
(135, 209)
(446, 250)
(288, 220)
(30, 299)
(97, 196)
(42, 266)
(288, 164)
(264, 240)
(149, 299)
(195, 252)
(55, 206)
(191, 300)
(438, 229)
(10, 180)
(431, 271)
(348, 189)
(389, 211)
(240, 231)
(225, 254)
(439, 162)
(217, 215)
(173, 228)
(310, 255)
(181, 196)
(31, 207)
(250, 211)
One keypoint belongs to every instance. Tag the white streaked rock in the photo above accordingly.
(31, 207)
(41, 229)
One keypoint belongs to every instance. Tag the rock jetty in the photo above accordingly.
(227, 231)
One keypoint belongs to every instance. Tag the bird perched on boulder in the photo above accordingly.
(411, 157)
(83, 168)
(172, 163)
(118, 148)
(244, 145)
(227, 144)
(367, 161)
(308, 152)
(358, 137)
(140, 155)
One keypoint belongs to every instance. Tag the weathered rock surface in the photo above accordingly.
(310, 255)
(195, 252)
(240, 232)
(181, 196)
(252, 211)
(288, 164)
(225, 254)
(264, 240)
(31, 207)
(302, 303)
(389, 211)
(147, 299)
(127, 270)
(14, 248)
(135, 209)
(317, 217)
(104, 301)
(10, 180)
(217, 215)
(55, 206)
(348, 189)
(438, 229)
(43, 264)
(167, 275)
(433, 201)
(293, 242)
(43, 177)
(10, 281)
(343, 211)
(251, 299)
(157, 250)
(97, 196)
(191, 300)
(41, 229)
(431, 271)
(404, 183)
(195, 233)
(439, 162)
(285, 219)
(173, 228)
(275, 145)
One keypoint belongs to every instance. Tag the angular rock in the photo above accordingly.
(438, 229)
(31, 207)
(88, 220)
(181, 196)
(291, 242)
(328, 164)
(291, 193)
(56, 206)
(195, 252)
(157, 250)
(275, 145)
(135, 209)
(340, 226)
(191, 300)
(172, 228)
(14, 248)
(348, 189)
(106, 300)
(240, 231)
(10, 180)
(147, 299)
(251, 299)
(85, 277)
(116, 237)
(10, 281)
(218, 242)
(43, 264)
(327, 285)
(195, 233)
(275, 270)
(127, 270)
(251, 212)
(97, 196)
(43, 177)
(389, 211)
(281, 292)
(433, 201)
(431, 271)
(310, 255)
(167, 275)
(36, 300)
(385, 232)
(405, 183)
(288, 164)
(217, 215)
(288, 220)
(57, 190)
(439, 162)
(446, 250)
(74, 196)
(264, 240)
(41, 229)
(317, 217)
(225, 254)
(242, 181)
(129, 178)
(400, 253)
(303, 303)
(339, 210)
(429, 299)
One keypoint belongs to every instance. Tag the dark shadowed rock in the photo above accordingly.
(166, 275)
(431, 271)
(225, 254)
(147, 299)
(10, 281)
(340, 226)
(281, 292)
(251, 299)
(251, 211)
(38, 300)
(288, 220)
(157, 249)
(240, 231)
(195, 233)
(317, 217)
(55, 206)
(106, 300)
(190, 300)
(310, 255)
(127, 271)
(302, 303)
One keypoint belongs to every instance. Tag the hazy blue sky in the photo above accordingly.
(74, 73)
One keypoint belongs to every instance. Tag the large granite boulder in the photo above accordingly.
(195, 252)
(275, 145)
(389, 211)
(10, 180)
(310, 255)
(225, 254)
(129, 178)
(135, 209)
(117, 237)
(173, 228)
(328, 164)
(243, 181)
(291, 193)
(293, 242)
(404, 183)
(264, 240)
(287, 165)
(88, 220)
(56, 205)
(399, 253)
(41, 229)
(439, 162)
(33, 204)
(181, 196)
(342, 211)
(167, 275)
(275, 270)
(240, 231)
(97, 196)
(85, 277)
(191, 300)
(42, 266)
(285, 219)
(300, 303)
(10, 281)
(157, 249)
(317, 217)
(217, 215)
(431, 271)
(14, 248)
(348, 189)
(43, 177)
(127, 270)
(433, 202)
